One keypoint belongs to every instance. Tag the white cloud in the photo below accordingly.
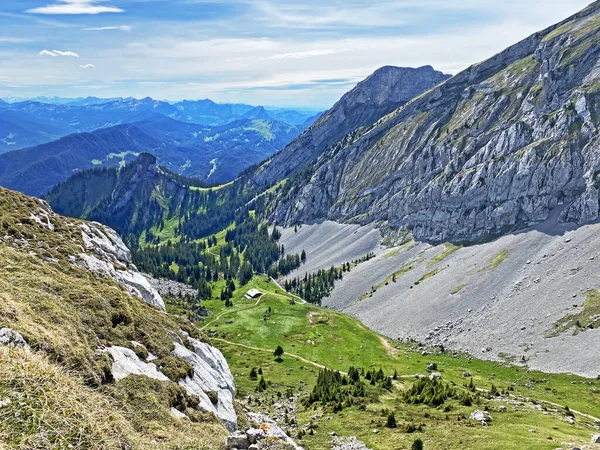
(120, 28)
(58, 53)
(75, 7)
(87, 66)
(308, 54)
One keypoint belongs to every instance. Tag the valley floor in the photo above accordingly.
(531, 413)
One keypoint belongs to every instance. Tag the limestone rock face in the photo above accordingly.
(111, 257)
(211, 374)
(380, 94)
(496, 148)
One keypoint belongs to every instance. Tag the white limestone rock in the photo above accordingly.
(211, 374)
(126, 362)
(11, 337)
(112, 258)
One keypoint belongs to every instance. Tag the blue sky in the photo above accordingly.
(274, 52)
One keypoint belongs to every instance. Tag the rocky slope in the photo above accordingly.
(381, 93)
(69, 290)
(495, 148)
(529, 297)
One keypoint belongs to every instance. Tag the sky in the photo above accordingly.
(286, 53)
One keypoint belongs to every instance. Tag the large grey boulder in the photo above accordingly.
(237, 440)
(126, 362)
(481, 416)
(11, 337)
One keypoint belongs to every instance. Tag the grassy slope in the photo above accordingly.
(313, 336)
(66, 314)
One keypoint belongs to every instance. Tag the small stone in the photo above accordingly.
(237, 440)
(254, 435)
(11, 337)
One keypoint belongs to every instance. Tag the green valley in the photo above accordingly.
(526, 406)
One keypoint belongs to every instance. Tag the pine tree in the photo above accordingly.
(262, 385)
(278, 353)
(417, 445)
(391, 421)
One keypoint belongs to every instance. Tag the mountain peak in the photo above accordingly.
(381, 93)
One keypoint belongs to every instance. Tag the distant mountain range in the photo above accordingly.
(45, 140)
(61, 117)
(216, 154)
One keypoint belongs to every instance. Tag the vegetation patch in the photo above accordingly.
(457, 289)
(587, 319)
(498, 259)
(449, 249)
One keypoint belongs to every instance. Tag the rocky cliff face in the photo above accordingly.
(495, 148)
(381, 93)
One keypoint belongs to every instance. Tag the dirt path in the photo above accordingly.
(231, 311)
(258, 349)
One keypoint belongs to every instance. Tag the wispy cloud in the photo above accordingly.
(87, 66)
(110, 28)
(58, 53)
(72, 7)
(14, 40)
(309, 53)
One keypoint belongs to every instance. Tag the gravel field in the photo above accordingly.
(499, 312)
(330, 244)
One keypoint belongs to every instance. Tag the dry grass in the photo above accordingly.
(62, 392)
(49, 409)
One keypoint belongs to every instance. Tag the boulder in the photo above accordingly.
(255, 435)
(435, 376)
(481, 416)
(126, 362)
(11, 337)
(237, 440)
(596, 439)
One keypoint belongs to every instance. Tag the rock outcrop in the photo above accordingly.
(111, 257)
(212, 381)
(126, 362)
(211, 375)
(493, 149)
(380, 94)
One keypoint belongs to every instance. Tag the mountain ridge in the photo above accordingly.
(534, 103)
(390, 86)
